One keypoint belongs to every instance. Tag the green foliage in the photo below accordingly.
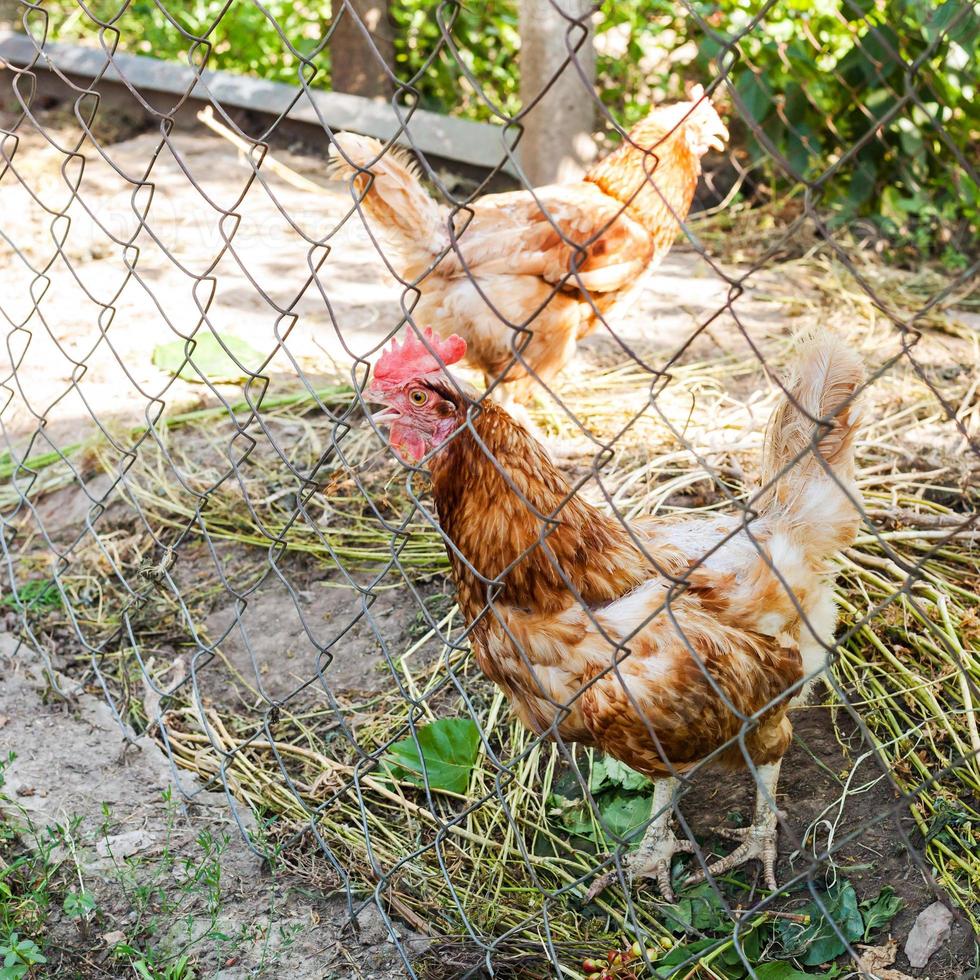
(19, 957)
(880, 911)
(818, 942)
(39, 594)
(166, 906)
(181, 969)
(26, 875)
(833, 94)
(486, 42)
(701, 915)
(811, 81)
(807, 87)
(621, 796)
(78, 904)
(607, 771)
(780, 970)
(449, 749)
(620, 815)
(243, 39)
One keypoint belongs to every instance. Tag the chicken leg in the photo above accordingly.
(653, 857)
(758, 842)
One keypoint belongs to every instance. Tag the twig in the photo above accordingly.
(206, 116)
(803, 920)
(912, 518)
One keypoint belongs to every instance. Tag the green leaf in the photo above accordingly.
(209, 357)
(38, 594)
(856, 9)
(818, 942)
(755, 94)
(797, 154)
(946, 14)
(891, 205)
(608, 771)
(880, 911)
(681, 954)
(449, 749)
(622, 814)
(862, 183)
(707, 909)
(678, 917)
(141, 969)
(751, 946)
(124, 949)
(779, 971)
(78, 904)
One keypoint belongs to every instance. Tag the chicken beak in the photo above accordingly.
(385, 415)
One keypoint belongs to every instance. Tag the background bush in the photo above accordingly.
(810, 81)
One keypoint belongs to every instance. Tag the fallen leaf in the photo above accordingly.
(876, 960)
(209, 356)
(449, 749)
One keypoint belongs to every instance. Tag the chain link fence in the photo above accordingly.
(200, 523)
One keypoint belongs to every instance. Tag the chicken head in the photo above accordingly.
(410, 382)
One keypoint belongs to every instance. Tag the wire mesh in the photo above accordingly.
(229, 567)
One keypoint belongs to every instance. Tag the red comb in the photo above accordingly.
(412, 359)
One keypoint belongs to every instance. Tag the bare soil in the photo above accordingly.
(74, 767)
(830, 779)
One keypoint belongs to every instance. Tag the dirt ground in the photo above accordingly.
(838, 785)
(74, 768)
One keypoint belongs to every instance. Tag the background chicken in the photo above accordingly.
(536, 268)
(656, 642)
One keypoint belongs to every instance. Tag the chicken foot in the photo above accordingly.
(653, 857)
(758, 842)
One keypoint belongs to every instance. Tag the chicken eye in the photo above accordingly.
(418, 397)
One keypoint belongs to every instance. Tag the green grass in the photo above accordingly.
(161, 912)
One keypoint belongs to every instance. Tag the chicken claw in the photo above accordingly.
(759, 839)
(758, 844)
(652, 859)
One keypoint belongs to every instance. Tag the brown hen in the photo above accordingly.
(533, 272)
(664, 643)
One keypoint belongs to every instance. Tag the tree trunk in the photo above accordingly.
(357, 64)
(557, 143)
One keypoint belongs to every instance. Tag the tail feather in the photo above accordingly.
(392, 196)
(808, 460)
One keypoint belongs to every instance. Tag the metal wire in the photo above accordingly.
(120, 657)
